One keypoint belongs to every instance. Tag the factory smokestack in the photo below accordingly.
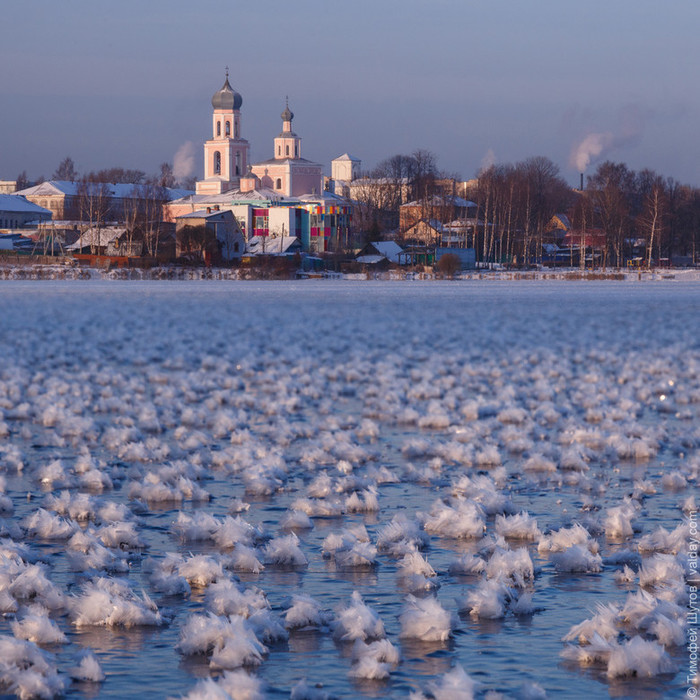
(581, 182)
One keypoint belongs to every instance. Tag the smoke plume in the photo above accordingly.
(594, 146)
(488, 160)
(183, 162)
(589, 148)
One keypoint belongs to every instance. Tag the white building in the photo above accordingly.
(17, 212)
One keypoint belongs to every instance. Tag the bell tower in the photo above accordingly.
(225, 153)
(287, 144)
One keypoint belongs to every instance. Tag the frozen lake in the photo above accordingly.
(196, 477)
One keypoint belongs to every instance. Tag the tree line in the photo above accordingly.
(67, 171)
(626, 213)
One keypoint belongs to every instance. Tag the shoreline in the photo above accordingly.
(54, 273)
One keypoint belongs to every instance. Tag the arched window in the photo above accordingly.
(279, 150)
(217, 163)
(286, 148)
(236, 129)
(279, 183)
(218, 128)
(238, 162)
(296, 151)
(228, 128)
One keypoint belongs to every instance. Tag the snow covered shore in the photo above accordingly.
(62, 272)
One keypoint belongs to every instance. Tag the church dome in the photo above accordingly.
(287, 115)
(226, 98)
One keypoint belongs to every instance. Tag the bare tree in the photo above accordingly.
(154, 197)
(94, 205)
(117, 175)
(66, 170)
(166, 177)
(22, 181)
(654, 206)
(610, 189)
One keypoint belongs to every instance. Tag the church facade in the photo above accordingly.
(225, 153)
(287, 172)
(282, 196)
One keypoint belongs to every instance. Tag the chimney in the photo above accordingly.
(581, 182)
(216, 207)
(208, 210)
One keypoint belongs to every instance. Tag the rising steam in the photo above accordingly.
(590, 148)
(594, 146)
(183, 162)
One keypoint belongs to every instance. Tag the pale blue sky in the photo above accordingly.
(128, 83)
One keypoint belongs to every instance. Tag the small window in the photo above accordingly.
(228, 128)
(279, 183)
(287, 150)
(217, 163)
(279, 150)
(296, 151)
(218, 128)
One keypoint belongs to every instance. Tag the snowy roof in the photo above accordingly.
(437, 201)
(386, 249)
(347, 156)
(204, 214)
(234, 196)
(324, 197)
(269, 245)
(18, 203)
(260, 194)
(370, 259)
(272, 161)
(96, 237)
(120, 189)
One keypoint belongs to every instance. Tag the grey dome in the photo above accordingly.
(226, 98)
(287, 115)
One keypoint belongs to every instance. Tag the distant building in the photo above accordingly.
(210, 235)
(287, 172)
(376, 252)
(226, 152)
(436, 208)
(8, 186)
(280, 197)
(95, 201)
(345, 169)
(17, 212)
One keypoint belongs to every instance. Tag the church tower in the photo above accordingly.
(287, 144)
(226, 153)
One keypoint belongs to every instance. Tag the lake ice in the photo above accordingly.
(332, 489)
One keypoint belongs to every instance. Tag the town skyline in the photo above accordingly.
(473, 85)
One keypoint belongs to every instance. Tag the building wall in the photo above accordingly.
(345, 170)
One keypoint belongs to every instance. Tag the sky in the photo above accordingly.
(129, 83)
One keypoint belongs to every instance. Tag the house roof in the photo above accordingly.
(204, 214)
(432, 224)
(97, 237)
(385, 249)
(269, 245)
(119, 189)
(276, 161)
(439, 201)
(324, 197)
(234, 196)
(19, 204)
(347, 156)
